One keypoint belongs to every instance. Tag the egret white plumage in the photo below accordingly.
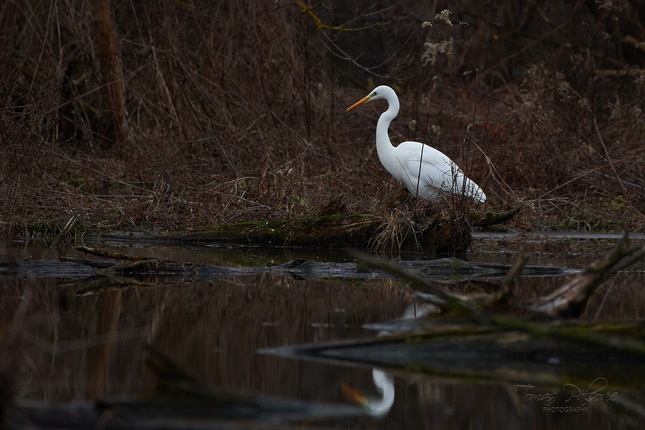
(426, 172)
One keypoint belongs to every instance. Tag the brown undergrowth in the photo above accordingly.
(235, 110)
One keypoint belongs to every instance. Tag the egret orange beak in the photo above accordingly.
(360, 102)
(349, 392)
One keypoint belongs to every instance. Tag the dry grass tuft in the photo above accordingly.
(394, 230)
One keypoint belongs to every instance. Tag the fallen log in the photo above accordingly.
(397, 231)
(114, 265)
(470, 352)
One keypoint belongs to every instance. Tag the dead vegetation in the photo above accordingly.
(234, 111)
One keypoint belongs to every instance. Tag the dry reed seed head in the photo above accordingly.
(539, 87)
(605, 4)
(444, 16)
(564, 89)
(432, 49)
(620, 112)
(640, 77)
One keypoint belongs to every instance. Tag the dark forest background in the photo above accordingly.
(177, 114)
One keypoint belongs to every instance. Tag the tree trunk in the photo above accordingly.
(111, 71)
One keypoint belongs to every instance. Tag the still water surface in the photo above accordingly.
(73, 340)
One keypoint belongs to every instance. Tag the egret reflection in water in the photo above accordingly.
(383, 382)
(376, 406)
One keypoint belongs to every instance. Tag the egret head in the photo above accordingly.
(378, 93)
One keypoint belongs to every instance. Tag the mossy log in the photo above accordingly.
(431, 231)
(362, 231)
(493, 218)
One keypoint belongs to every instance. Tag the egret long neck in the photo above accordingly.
(385, 384)
(384, 147)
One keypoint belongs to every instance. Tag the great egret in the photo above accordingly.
(425, 171)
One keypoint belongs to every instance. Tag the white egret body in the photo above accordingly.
(425, 171)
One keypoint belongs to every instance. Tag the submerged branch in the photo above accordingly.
(571, 299)
(568, 301)
(501, 299)
(444, 300)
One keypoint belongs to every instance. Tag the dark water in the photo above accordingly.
(68, 343)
